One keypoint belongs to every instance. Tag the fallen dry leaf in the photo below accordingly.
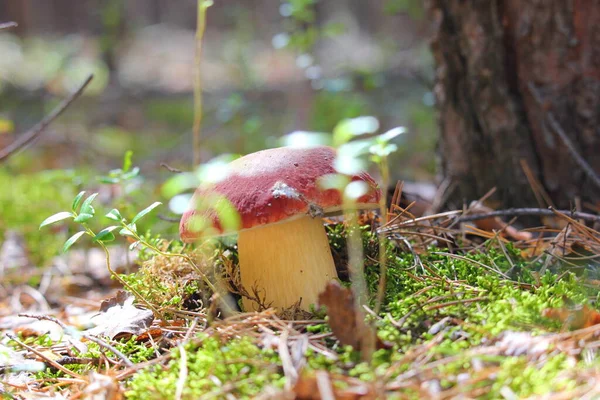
(117, 300)
(346, 325)
(496, 224)
(319, 386)
(119, 315)
(518, 344)
(31, 327)
(346, 322)
(575, 318)
(102, 387)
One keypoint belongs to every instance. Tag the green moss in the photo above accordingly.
(238, 367)
(168, 281)
(528, 379)
(462, 302)
(135, 351)
(25, 200)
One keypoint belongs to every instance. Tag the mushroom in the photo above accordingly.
(282, 244)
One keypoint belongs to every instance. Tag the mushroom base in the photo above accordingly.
(286, 262)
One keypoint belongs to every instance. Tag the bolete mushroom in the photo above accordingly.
(282, 244)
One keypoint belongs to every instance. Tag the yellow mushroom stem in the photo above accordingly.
(285, 262)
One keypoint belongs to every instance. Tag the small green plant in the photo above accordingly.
(83, 211)
(123, 174)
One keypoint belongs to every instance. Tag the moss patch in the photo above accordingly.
(214, 369)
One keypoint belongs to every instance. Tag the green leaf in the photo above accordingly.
(205, 4)
(106, 235)
(391, 134)
(115, 215)
(178, 183)
(383, 150)
(145, 211)
(127, 160)
(86, 207)
(108, 179)
(131, 174)
(347, 129)
(72, 240)
(305, 139)
(228, 216)
(83, 217)
(56, 217)
(77, 200)
(216, 169)
(333, 181)
(128, 230)
(355, 190)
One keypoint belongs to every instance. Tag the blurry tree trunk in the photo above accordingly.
(504, 70)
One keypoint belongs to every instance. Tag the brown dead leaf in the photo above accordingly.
(496, 224)
(574, 318)
(119, 315)
(153, 333)
(346, 321)
(119, 299)
(567, 244)
(319, 386)
(103, 387)
(26, 332)
(346, 325)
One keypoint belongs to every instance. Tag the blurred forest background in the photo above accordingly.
(269, 67)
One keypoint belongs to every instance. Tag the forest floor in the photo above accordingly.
(473, 309)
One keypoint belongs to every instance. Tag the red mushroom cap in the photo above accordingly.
(272, 185)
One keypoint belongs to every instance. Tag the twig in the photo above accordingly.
(110, 348)
(168, 219)
(45, 318)
(518, 212)
(183, 373)
(324, 385)
(170, 169)
(391, 228)
(94, 339)
(29, 136)
(286, 360)
(441, 253)
(8, 25)
(44, 357)
(589, 171)
(78, 360)
(455, 302)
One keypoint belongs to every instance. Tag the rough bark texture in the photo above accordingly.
(503, 68)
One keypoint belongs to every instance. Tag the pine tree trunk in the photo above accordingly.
(509, 75)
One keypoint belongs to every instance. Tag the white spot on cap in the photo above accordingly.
(280, 189)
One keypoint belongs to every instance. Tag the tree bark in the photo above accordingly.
(510, 74)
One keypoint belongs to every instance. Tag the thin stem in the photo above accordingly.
(385, 177)
(200, 28)
(117, 277)
(357, 277)
(29, 136)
